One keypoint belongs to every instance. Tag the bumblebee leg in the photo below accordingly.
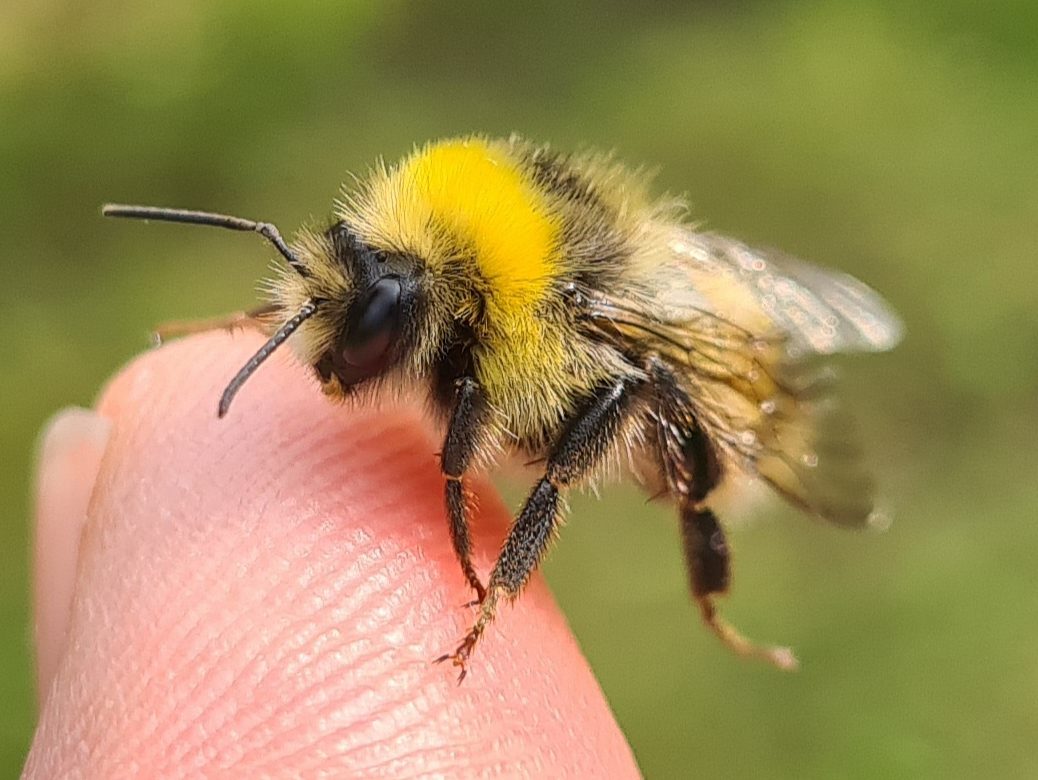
(463, 433)
(692, 471)
(706, 553)
(583, 442)
(255, 318)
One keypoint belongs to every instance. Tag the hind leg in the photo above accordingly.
(708, 562)
(692, 470)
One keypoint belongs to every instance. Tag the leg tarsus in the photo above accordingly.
(707, 555)
(462, 653)
(477, 585)
(779, 657)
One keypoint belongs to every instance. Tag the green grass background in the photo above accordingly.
(900, 143)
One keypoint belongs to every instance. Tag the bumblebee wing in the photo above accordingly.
(746, 333)
(819, 310)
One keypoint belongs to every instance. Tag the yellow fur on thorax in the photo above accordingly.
(477, 193)
(468, 196)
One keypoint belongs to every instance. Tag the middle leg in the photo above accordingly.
(580, 448)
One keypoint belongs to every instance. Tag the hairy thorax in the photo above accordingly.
(533, 380)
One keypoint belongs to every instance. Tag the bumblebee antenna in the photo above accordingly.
(265, 229)
(254, 362)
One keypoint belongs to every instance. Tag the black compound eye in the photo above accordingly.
(373, 325)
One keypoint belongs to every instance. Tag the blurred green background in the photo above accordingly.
(898, 143)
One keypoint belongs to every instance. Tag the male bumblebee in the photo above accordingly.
(550, 308)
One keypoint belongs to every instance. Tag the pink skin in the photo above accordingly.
(264, 595)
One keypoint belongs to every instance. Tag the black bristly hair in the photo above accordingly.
(265, 229)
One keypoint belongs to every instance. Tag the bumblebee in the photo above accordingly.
(549, 307)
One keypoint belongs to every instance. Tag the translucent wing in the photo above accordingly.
(819, 310)
(745, 330)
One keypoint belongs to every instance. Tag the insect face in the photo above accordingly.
(367, 306)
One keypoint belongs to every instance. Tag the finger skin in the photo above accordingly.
(264, 594)
(70, 452)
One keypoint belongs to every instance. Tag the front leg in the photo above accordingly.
(259, 318)
(463, 434)
(585, 439)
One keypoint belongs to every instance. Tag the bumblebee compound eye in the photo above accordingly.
(373, 326)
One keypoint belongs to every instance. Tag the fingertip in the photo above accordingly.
(286, 574)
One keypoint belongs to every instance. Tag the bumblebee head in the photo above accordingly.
(364, 307)
(358, 312)
(457, 242)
